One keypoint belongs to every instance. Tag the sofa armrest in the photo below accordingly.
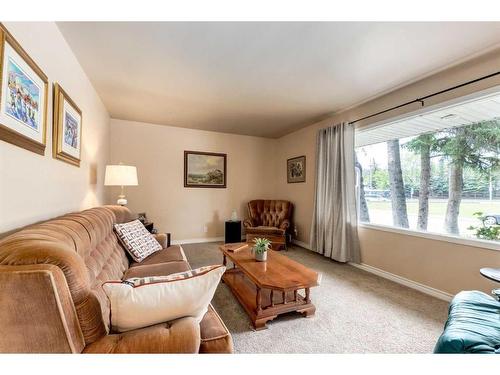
(37, 314)
(285, 224)
(163, 239)
(248, 223)
(179, 336)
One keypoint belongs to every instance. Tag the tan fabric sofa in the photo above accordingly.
(51, 299)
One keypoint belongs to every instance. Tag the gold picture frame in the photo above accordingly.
(23, 97)
(66, 128)
(205, 169)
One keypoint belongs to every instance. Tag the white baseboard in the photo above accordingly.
(197, 240)
(390, 276)
(302, 244)
(201, 240)
(374, 270)
(404, 281)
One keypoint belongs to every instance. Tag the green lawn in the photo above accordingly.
(438, 207)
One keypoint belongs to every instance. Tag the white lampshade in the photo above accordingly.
(120, 175)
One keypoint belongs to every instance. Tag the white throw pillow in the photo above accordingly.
(136, 239)
(141, 302)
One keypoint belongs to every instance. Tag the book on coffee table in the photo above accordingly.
(234, 247)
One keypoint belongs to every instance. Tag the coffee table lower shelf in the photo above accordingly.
(263, 305)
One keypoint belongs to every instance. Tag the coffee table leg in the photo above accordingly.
(224, 261)
(258, 301)
(260, 324)
(309, 311)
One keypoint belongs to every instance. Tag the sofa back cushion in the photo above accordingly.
(84, 246)
(269, 213)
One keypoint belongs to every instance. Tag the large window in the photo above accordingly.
(437, 172)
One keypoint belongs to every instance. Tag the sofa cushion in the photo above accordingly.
(170, 254)
(136, 239)
(140, 302)
(161, 269)
(178, 336)
(215, 337)
(263, 230)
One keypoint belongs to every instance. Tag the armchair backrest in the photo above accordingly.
(270, 212)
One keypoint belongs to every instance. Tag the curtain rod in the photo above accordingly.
(421, 100)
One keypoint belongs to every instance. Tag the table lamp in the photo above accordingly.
(121, 175)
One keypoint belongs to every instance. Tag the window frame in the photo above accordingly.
(474, 242)
(465, 241)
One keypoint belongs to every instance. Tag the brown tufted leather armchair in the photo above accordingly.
(269, 219)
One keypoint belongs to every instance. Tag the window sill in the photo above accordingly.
(491, 245)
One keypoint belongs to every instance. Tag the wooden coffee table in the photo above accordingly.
(268, 289)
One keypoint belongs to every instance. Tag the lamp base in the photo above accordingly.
(121, 200)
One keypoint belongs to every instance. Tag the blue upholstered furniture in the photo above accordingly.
(473, 325)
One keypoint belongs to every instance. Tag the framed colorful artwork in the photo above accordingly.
(23, 97)
(296, 169)
(67, 128)
(204, 169)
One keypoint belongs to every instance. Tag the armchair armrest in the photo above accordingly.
(248, 223)
(285, 224)
(163, 239)
(179, 336)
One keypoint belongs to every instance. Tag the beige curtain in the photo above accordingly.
(334, 231)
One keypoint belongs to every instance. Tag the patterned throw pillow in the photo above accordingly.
(141, 302)
(136, 239)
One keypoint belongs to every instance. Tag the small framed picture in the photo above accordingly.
(204, 169)
(23, 97)
(67, 128)
(296, 169)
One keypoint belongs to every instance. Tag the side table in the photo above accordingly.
(232, 233)
(150, 226)
(492, 274)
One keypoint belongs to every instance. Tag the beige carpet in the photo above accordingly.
(356, 312)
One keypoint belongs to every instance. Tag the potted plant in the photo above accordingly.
(260, 248)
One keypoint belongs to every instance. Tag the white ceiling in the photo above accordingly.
(264, 79)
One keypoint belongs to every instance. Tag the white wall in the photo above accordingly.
(35, 187)
(158, 153)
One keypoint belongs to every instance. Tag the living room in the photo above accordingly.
(249, 187)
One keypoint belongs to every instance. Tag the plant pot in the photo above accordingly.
(261, 257)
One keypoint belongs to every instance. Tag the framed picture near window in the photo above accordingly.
(23, 97)
(296, 169)
(67, 128)
(204, 169)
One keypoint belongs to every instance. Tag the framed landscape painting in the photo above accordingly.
(296, 169)
(23, 97)
(67, 128)
(204, 169)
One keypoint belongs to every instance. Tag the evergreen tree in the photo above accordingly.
(422, 145)
(476, 146)
(398, 198)
(364, 216)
